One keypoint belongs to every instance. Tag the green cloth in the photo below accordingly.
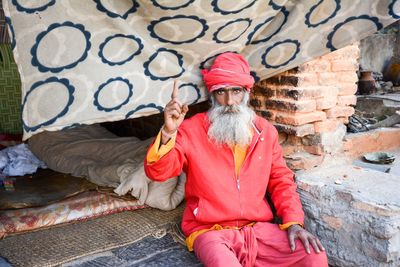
(10, 93)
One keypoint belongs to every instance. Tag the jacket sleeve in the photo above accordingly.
(282, 188)
(169, 165)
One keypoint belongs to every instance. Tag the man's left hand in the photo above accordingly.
(298, 232)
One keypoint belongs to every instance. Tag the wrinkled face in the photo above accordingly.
(229, 96)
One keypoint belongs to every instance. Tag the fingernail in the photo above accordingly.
(308, 251)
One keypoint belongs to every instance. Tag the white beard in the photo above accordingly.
(231, 124)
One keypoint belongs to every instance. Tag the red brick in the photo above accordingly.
(296, 80)
(267, 114)
(326, 102)
(262, 90)
(346, 77)
(301, 130)
(315, 149)
(327, 78)
(299, 118)
(347, 88)
(311, 140)
(282, 137)
(339, 112)
(303, 161)
(329, 125)
(347, 100)
(255, 102)
(344, 120)
(305, 92)
(347, 52)
(296, 93)
(292, 71)
(288, 150)
(307, 79)
(294, 140)
(291, 105)
(344, 65)
(291, 80)
(336, 78)
(316, 65)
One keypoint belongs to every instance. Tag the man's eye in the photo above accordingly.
(220, 92)
(237, 90)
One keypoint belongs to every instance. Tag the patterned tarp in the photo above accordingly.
(88, 61)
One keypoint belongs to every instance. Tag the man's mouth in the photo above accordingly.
(231, 110)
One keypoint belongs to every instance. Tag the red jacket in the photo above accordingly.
(213, 192)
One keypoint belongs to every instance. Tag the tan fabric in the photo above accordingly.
(107, 160)
(92, 61)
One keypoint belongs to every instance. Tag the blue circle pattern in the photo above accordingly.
(202, 67)
(32, 10)
(71, 90)
(146, 65)
(308, 15)
(276, 44)
(216, 8)
(391, 10)
(203, 22)
(254, 74)
(12, 37)
(155, 3)
(250, 37)
(111, 63)
(337, 27)
(42, 68)
(101, 8)
(215, 38)
(152, 105)
(195, 87)
(274, 5)
(96, 94)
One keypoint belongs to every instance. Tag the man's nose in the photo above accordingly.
(229, 99)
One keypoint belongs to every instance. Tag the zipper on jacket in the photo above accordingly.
(237, 178)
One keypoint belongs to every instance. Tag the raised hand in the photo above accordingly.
(174, 114)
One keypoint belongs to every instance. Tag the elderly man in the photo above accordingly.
(232, 158)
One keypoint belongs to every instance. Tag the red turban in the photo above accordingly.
(228, 69)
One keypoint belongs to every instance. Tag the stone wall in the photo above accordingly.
(355, 212)
(310, 104)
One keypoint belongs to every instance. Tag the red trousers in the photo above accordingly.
(263, 244)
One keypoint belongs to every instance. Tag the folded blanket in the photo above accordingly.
(105, 159)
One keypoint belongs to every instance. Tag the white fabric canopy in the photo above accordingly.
(89, 61)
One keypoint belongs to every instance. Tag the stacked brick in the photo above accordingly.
(309, 101)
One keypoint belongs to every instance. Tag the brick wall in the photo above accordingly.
(310, 104)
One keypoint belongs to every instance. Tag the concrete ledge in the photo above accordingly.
(355, 212)
(381, 139)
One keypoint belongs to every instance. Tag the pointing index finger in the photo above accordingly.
(174, 94)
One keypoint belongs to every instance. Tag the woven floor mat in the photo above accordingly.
(148, 252)
(61, 244)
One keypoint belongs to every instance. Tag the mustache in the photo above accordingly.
(234, 109)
